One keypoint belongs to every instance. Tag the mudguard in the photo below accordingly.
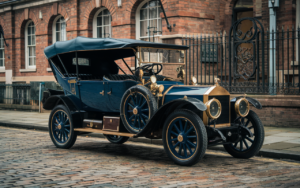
(160, 115)
(252, 101)
(55, 100)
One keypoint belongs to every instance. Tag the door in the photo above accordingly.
(115, 91)
(93, 96)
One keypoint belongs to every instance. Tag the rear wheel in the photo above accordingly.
(116, 139)
(184, 137)
(61, 128)
(248, 146)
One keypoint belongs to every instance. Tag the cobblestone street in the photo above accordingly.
(28, 158)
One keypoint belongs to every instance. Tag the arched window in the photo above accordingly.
(30, 45)
(2, 64)
(59, 29)
(148, 20)
(102, 24)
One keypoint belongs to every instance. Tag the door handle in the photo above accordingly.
(109, 93)
(102, 93)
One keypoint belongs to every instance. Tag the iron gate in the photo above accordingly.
(241, 59)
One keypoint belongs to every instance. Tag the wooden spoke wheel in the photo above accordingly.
(248, 145)
(184, 137)
(60, 127)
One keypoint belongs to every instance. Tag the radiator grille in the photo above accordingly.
(224, 118)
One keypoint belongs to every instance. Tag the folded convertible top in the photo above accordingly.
(83, 44)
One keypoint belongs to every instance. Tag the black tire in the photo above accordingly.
(63, 135)
(116, 139)
(137, 106)
(256, 127)
(193, 128)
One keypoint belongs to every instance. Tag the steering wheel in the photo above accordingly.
(149, 69)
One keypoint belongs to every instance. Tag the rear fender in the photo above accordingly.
(75, 112)
(158, 119)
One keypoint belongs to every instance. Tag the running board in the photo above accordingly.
(105, 132)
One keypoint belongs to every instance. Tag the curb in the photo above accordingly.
(268, 153)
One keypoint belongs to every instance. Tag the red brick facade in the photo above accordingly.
(190, 16)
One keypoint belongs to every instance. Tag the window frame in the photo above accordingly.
(27, 66)
(95, 26)
(138, 21)
(2, 48)
(54, 39)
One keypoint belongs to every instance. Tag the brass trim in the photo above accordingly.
(109, 93)
(180, 138)
(102, 93)
(73, 81)
(223, 125)
(135, 111)
(208, 103)
(104, 132)
(237, 107)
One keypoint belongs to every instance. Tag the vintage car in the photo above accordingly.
(100, 97)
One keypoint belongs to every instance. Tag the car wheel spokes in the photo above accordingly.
(182, 138)
(137, 111)
(61, 126)
(246, 142)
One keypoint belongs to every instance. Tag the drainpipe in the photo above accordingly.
(273, 4)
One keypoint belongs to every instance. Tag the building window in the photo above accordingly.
(59, 29)
(2, 62)
(102, 24)
(30, 45)
(148, 20)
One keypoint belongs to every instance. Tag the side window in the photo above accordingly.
(30, 45)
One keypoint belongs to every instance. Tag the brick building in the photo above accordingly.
(29, 26)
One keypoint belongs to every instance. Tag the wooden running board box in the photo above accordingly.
(111, 123)
(90, 123)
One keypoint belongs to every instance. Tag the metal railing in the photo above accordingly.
(244, 61)
(15, 94)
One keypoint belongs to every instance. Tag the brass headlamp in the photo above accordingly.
(214, 108)
(242, 107)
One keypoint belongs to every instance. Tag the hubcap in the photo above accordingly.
(180, 138)
(135, 111)
(59, 126)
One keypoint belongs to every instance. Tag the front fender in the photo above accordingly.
(252, 101)
(160, 115)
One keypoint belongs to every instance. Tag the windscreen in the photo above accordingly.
(165, 56)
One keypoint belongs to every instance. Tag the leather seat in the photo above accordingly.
(121, 77)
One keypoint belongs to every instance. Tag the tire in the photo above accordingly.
(252, 146)
(61, 128)
(116, 139)
(137, 107)
(193, 135)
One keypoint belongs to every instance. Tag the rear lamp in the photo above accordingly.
(242, 107)
(214, 108)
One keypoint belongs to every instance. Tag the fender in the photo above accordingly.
(252, 101)
(75, 112)
(160, 115)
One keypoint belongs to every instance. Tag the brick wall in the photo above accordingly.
(279, 111)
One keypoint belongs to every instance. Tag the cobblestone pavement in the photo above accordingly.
(28, 158)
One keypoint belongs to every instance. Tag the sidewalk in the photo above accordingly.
(279, 142)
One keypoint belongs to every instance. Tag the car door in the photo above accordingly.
(93, 95)
(115, 91)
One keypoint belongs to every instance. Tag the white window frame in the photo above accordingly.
(137, 18)
(95, 22)
(27, 66)
(2, 45)
(54, 39)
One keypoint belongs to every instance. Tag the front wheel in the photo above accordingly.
(61, 128)
(248, 145)
(184, 137)
(116, 139)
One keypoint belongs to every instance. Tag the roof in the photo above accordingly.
(83, 44)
